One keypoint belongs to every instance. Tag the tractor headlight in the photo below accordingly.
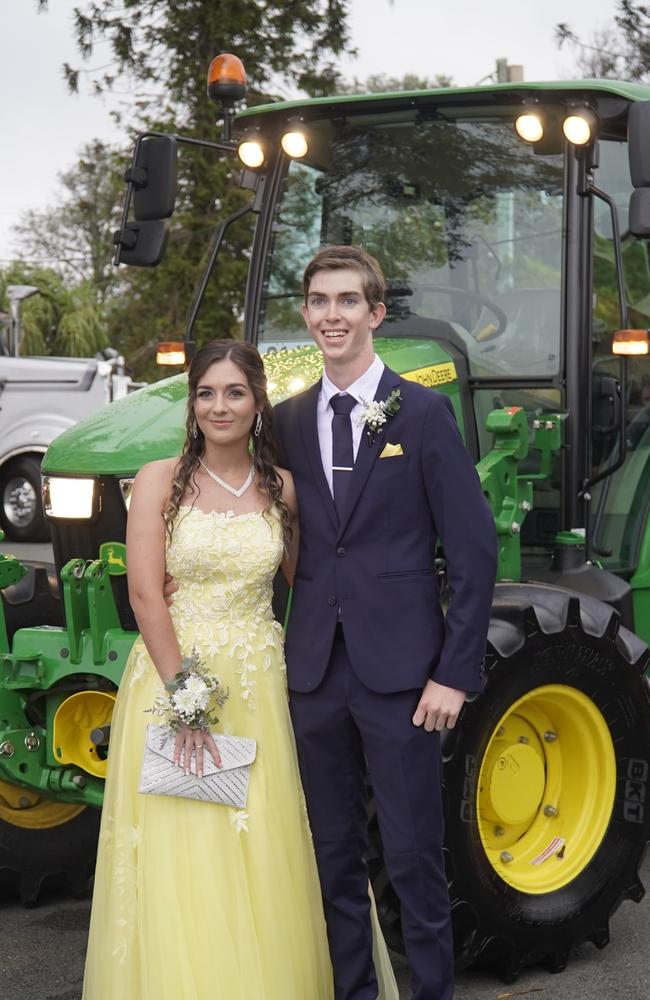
(68, 497)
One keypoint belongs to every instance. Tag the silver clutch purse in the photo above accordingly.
(227, 785)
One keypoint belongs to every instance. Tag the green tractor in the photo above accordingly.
(512, 224)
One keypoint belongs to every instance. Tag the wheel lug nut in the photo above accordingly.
(524, 739)
(506, 857)
(498, 831)
(501, 730)
(550, 811)
(23, 802)
(550, 736)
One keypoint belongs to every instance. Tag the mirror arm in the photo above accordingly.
(214, 252)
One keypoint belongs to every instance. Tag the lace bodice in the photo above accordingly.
(224, 564)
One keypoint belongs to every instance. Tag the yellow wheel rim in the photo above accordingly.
(24, 808)
(546, 789)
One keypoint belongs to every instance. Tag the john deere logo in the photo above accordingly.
(114, 555)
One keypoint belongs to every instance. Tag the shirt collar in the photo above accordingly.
(363, 389)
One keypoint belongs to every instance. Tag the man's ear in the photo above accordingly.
(303, 310)
(377, 315)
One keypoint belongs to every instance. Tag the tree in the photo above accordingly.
(166, 47)
(76, 236)
(61, 320)
(621, 52)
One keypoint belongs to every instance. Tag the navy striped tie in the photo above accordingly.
(342, 449)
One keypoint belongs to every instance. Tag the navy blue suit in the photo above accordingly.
(365, 633)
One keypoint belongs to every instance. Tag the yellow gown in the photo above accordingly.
(192, 900)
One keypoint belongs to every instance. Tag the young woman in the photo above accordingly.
(194, 900)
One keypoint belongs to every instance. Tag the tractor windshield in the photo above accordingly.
(465, 219)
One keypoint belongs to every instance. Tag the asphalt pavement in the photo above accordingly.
(42, 957)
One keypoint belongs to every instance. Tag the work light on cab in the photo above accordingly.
(251, 153)
(580, 128)
(529, 127)
(295, 144)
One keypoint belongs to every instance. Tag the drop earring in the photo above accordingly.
(195, 429)
(258, 425)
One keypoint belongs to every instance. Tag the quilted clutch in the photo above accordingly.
(227, 785)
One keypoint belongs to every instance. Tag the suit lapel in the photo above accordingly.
(367, 454)
(309, 428)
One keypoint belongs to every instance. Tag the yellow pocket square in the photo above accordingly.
(391, 450)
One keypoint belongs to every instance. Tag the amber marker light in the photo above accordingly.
(171, 352)
(579, 129)
(529, 127)
(226, 78)
(250, 152)
(628, 342)
(295, 145)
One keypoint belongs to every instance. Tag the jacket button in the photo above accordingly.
(340, 551)
(331, 600)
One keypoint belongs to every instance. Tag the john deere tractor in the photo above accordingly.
(512, 222)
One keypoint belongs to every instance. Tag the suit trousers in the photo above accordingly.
(340, 728)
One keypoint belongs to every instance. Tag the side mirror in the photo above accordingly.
(151, 190)
(639, 217)
(142, 243)
(153, 176)
(638, 143)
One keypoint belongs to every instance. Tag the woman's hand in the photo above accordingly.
(194, 741)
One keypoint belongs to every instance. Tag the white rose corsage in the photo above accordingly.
(376, 413)
(192, 697)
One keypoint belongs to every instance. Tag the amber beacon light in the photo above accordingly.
(226, 78)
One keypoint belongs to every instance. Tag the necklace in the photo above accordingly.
(231, 489)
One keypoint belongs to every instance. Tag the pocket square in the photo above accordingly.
(391, 450)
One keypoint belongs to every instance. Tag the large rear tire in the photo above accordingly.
(545, 784)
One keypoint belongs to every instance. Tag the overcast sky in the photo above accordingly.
(43, 126)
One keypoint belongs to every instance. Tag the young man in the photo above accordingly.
(375, 671)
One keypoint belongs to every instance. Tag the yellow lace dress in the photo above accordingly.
(192, 900)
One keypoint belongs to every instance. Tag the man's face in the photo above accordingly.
(339, 317)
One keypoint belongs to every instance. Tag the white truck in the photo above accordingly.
(39, 399)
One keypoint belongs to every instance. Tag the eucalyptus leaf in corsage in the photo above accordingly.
(376, 413)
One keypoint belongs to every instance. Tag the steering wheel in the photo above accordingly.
(489, 332)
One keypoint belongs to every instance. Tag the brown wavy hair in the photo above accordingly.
(265, 449)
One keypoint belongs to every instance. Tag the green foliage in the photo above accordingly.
(164, 48)
(61, 320)
(619, 52)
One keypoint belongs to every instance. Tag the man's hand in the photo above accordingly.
(438, 707)
(169, 589)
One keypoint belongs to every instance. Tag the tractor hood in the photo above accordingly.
(149, 424)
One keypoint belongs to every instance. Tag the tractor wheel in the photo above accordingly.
(545, 784)
(44, 844)
(21, 503)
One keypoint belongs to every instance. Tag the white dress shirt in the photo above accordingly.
(363, 390)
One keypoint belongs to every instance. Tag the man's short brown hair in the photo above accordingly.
(337, 258)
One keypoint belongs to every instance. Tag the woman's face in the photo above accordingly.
(224, 406)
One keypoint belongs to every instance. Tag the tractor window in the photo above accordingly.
(620, 502)
(465, 219)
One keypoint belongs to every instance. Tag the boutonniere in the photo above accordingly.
(376, 413)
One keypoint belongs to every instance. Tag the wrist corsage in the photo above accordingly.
(192, 697)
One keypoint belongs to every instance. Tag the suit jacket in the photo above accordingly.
(377, 563)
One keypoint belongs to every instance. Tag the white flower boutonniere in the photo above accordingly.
(377, 412)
